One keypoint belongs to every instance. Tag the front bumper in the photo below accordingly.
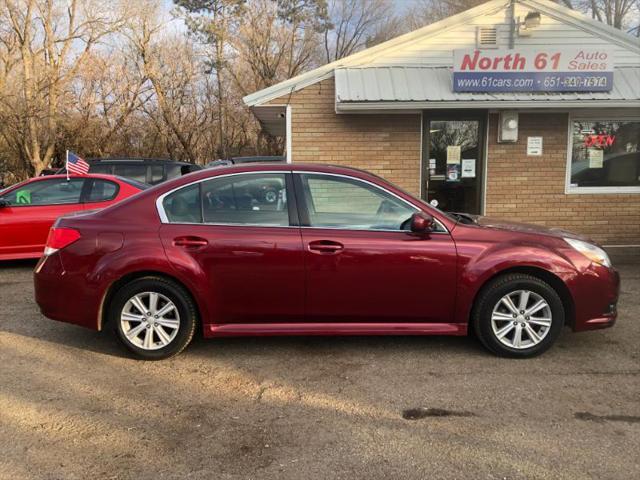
(596, 293)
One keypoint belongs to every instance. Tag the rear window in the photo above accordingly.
(184, 206)
(102, 191)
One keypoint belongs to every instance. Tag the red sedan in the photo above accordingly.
(28, 209)
(336, 252)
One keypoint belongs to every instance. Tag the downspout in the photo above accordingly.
(288, 134)
(512, 23)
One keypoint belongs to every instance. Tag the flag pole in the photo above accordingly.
(66, 165)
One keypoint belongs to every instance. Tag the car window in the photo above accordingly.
(250, 199)
(173, 171)
(100, 168)
(102, 191)
(157, 174)
(56, 191)
(184, 206)
(135, 172)
(340, 202)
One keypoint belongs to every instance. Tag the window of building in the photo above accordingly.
(604, 156)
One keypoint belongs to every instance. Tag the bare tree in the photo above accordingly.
(357, 24)
(617, 13)
(271, 48)
(214, 22)
(425, 12)
(54, 42)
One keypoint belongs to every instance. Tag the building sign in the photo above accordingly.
(533, 70)
(453, 153)
(468, 168)
(534, 146)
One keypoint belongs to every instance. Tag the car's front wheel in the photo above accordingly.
(518, 315)
(154, 318)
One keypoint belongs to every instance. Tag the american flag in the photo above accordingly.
(75, 164)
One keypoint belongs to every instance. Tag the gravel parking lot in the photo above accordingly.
(74, 405)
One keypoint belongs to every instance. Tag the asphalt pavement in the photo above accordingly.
(74, 405)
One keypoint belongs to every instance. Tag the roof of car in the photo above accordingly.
(103, 176)
(277, 167)
(139, 159)
(296, 167)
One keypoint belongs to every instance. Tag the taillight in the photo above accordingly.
(60, 238)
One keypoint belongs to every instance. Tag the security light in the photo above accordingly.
(532, 20)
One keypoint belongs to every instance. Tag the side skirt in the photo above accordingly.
(275, 329)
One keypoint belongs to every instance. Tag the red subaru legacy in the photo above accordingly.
(334, 251)
(28, 209)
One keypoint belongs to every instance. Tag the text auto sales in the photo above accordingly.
(529, 71)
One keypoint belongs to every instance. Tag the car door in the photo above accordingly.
(244, 247)
(361, 265)
(32, 209)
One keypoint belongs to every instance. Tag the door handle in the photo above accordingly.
(190, 242)
(325, 246)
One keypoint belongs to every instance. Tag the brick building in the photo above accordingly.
(522, 110)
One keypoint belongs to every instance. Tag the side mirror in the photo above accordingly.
(421, 222)
(4, 203)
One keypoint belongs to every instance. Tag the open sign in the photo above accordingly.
(599, 140)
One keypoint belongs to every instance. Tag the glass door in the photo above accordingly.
(452, 161)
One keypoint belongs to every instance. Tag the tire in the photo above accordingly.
(270, 196)
(499, 334)
(176, 320)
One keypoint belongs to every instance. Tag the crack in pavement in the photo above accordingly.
(590, 417)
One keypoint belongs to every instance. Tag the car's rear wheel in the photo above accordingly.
(518, 315)
(154, 318)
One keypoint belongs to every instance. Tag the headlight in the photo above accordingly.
(593, 253)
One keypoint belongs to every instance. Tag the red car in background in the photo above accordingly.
(28, 209)
(337, 251)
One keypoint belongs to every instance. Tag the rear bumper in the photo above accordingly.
(63, 296)
(595, 295)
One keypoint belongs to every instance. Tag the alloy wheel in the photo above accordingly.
(521, 319)
(270, 196)
(150, 320)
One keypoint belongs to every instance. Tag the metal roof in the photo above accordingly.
(598, 29)
(407, 86)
